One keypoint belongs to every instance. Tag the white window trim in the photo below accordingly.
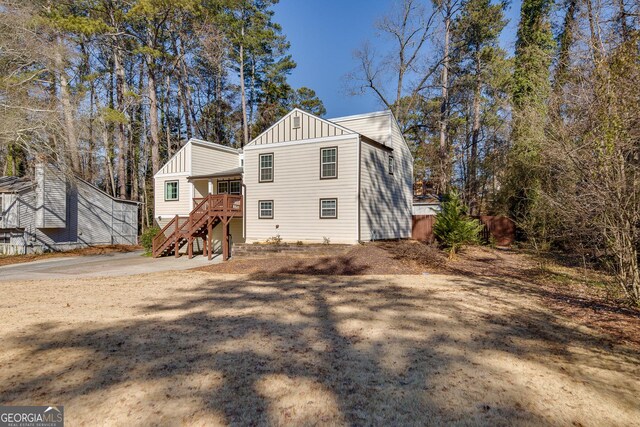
(260, 167)
(260, 202)
(177, 190)
(322, 163)
(329, 199)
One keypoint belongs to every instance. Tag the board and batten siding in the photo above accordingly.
(386, 199)
(179, 163)
(311, 127)
(296, 191)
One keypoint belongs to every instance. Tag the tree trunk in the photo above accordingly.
(566, 40)
(153, 108)
(185, 91)
(67, 109)
(167, 120)
(245, 125)
(121, 132)
(443, 181)
(475, 136)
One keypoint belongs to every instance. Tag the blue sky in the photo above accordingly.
(323, 36)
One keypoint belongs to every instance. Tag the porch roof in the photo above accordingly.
(231, 172)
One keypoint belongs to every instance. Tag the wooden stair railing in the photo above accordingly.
(208, 212)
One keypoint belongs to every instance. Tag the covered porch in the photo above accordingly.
(220, 239)
(225, 182)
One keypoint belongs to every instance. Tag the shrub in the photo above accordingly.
(453, 228)
(146, 239)
(275, 240)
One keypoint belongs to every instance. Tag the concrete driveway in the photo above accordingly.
(116, 264)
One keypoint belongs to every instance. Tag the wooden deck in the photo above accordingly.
(208, 212)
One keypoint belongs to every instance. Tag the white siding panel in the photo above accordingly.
(296, 192)
(167, 209)
(207, 160)
(385, 204)
(204, 159)
(376, 127)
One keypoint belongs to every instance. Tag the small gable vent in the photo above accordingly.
(296, 122)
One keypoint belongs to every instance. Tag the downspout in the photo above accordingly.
(244, 210)
(358, 171)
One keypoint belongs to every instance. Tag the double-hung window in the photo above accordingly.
(265, 174)
(328, 162)
(235, 187)
(229, 187)
(328, 208)
(171, 191)
(265, 209)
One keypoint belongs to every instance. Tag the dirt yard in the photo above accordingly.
(197, 348)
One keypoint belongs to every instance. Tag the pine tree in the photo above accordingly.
(531, 90)
(453, 228)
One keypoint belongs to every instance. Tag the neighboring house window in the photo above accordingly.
(329, 162)
(5, 238)
(296, 122)
(391, 165)
(266, 168)
(1, 205)
(170, 190)
(223, 187)
(328, 208)
(265, 209)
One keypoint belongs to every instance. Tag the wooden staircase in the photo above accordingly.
(208, 212)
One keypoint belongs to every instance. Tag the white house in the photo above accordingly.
(305, 179)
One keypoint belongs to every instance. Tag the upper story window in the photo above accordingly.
(171, 190)
(265, 174)
(296, 122)
(329, 162)
(391, 165)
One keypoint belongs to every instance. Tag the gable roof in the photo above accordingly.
(14, 184)
(310, 127)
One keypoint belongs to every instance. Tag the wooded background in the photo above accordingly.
(550, 136)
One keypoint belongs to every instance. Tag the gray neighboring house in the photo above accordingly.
(53, 212)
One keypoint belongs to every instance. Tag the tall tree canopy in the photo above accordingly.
(110, 89)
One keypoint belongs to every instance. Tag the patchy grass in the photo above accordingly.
(93, 250)
(195, 348)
